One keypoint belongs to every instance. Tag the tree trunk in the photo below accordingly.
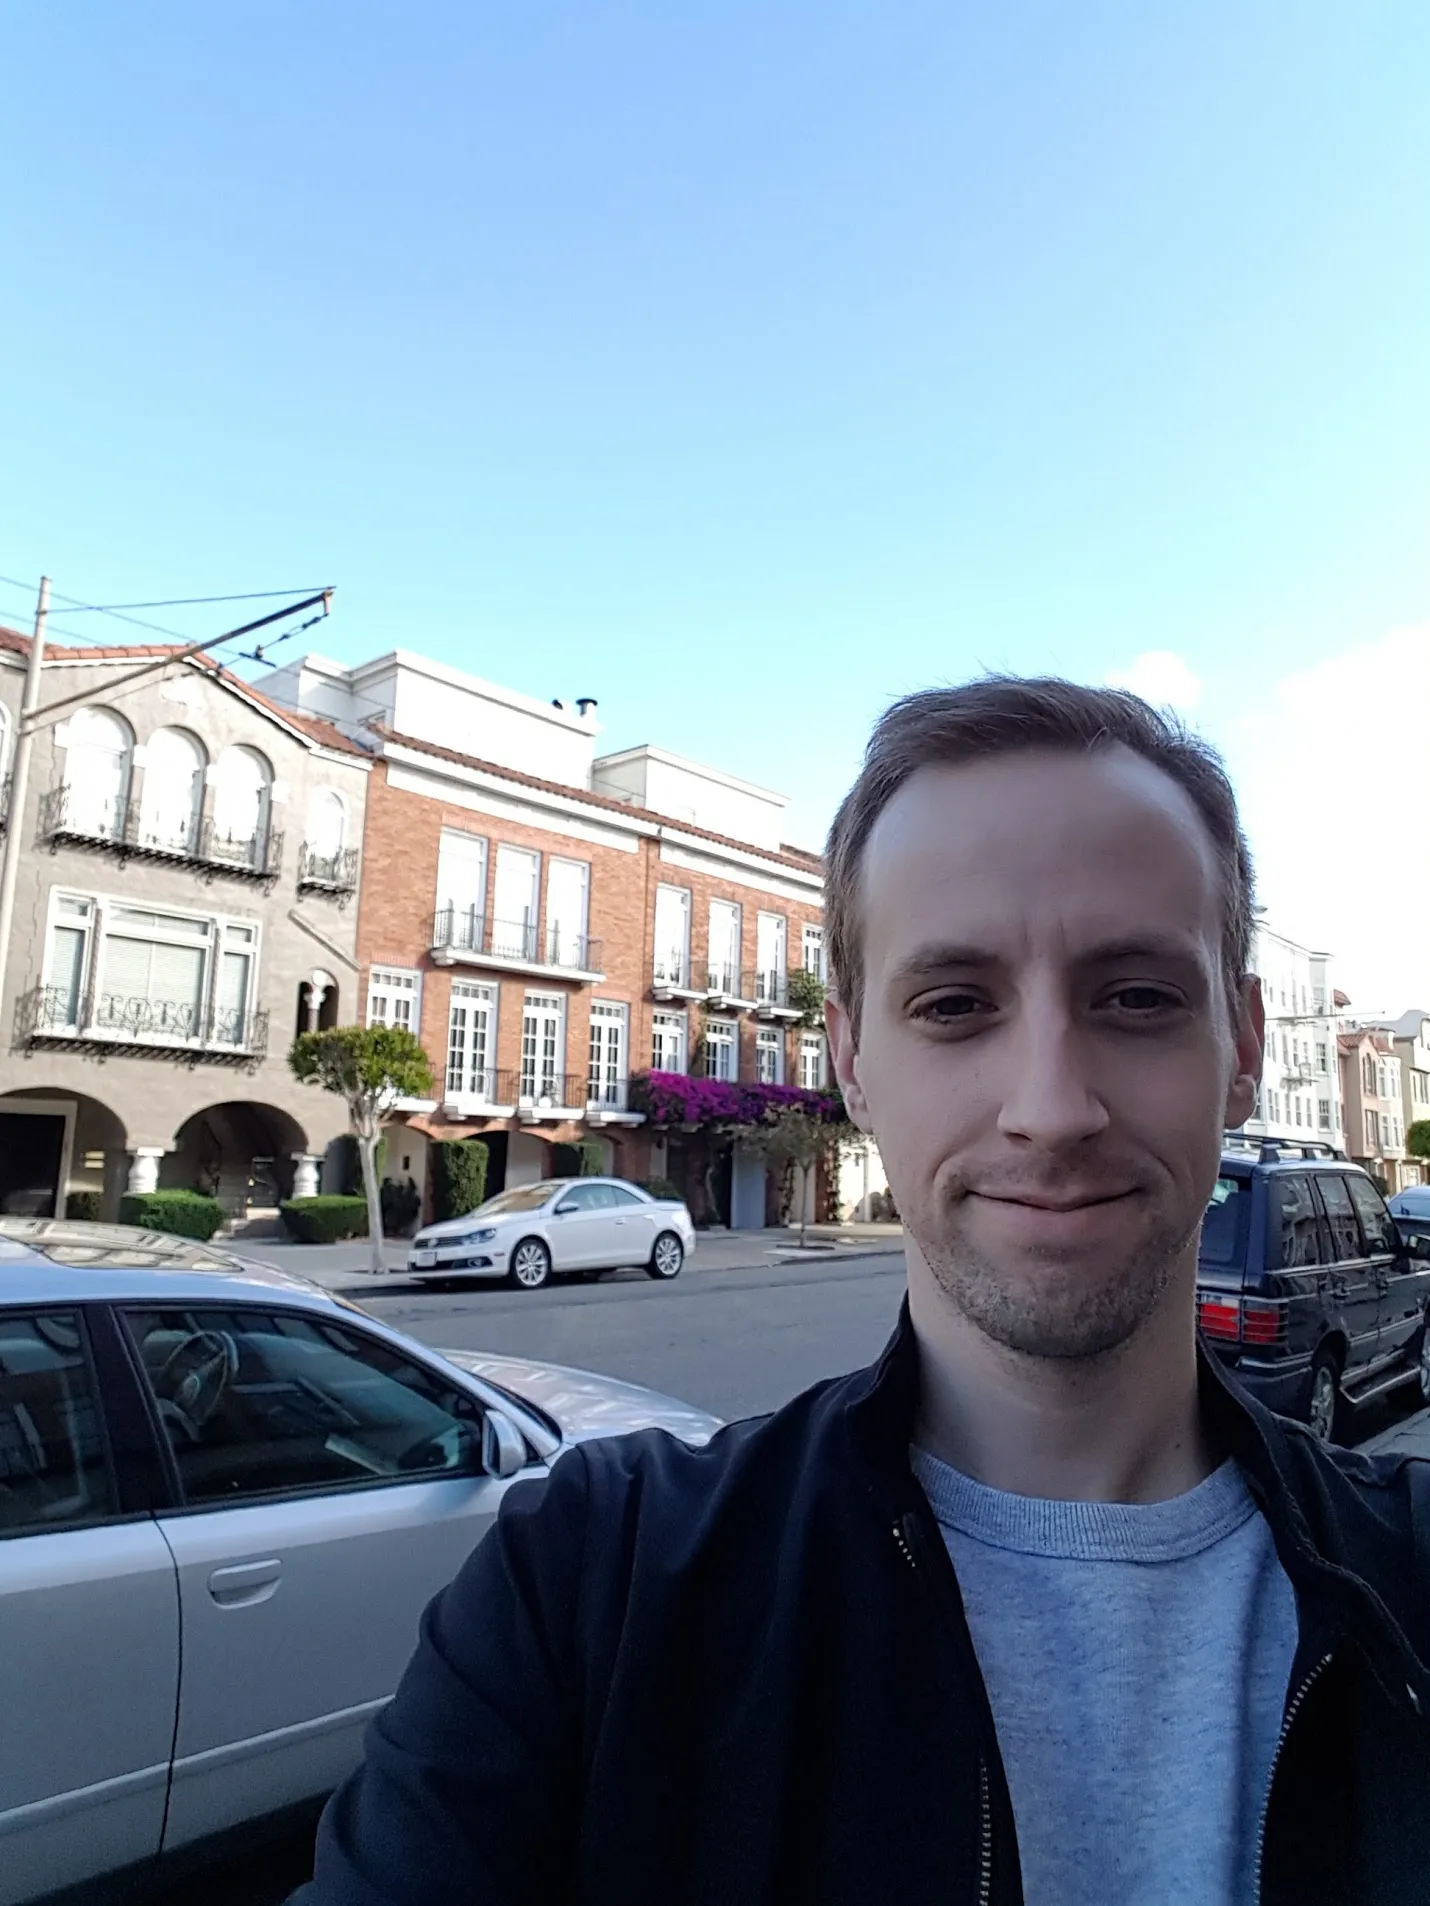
(367, 1151)
(804, 1189)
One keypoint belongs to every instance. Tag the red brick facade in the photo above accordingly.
(399, 898)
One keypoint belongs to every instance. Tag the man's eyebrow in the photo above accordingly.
(925, 962)
(940, 957)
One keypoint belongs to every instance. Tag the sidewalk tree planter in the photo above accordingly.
(370, 1068)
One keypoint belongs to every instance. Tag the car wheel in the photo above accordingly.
(1422, 1361)
(1323, 1398)
(667, 1256)
(530, 1264)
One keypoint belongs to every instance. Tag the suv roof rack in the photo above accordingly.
(1270, 1149)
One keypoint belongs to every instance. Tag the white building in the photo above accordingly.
(1300, 1095)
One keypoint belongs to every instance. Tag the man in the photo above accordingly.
(1039, 1607)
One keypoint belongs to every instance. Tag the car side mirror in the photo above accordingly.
(563, 1209)
(503, 1446)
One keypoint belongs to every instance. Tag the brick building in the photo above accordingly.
(551, 922)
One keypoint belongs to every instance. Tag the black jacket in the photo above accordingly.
(741, 1676)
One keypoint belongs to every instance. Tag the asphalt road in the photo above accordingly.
(735, 1342)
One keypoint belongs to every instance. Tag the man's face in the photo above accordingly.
(1046, 1054)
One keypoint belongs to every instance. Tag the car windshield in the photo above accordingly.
(1225, 1224)
(519, 1198)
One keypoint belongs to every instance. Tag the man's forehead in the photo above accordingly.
(1098, 844)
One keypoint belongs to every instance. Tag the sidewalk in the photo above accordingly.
(344, 1267)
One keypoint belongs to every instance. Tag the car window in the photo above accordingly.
(588, 1197)
(258, 1402)
(53, 1468)
(519, 1198)
(1376, 1222)
(1225, 1224)
(619, 1195)
(1295, 1238)
(1341, 1216)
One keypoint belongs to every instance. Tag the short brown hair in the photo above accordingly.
(1007, 714)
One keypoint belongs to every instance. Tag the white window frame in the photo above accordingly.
(389, 983)
(679, 981)
(543, 1001)
(728, 1041)
(473, 1081)
(813, 1044)
(609, 1094)
(812, 939)
(679, 1023)
(554, 947)
(729, 972)
(770, 1039)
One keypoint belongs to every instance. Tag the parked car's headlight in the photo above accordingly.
(475, 1237)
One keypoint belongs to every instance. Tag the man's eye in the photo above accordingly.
(1143, 999)
(948, 1006)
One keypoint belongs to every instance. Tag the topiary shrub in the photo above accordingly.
(459, 1176)
(84, 1204)
(184, 1214)
(324, 1220)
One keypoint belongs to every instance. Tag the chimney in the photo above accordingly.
(584, 705)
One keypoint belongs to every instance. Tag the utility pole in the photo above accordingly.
(19, 783)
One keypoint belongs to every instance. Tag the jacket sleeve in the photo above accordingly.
(470, 1786)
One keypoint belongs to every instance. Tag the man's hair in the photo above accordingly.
(1008, 714)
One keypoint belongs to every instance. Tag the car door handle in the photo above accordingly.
(245, 1583)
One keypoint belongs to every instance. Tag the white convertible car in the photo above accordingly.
(560, 1226)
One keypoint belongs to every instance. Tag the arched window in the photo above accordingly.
(98, 768)
(327, 828)
(173, 795)
(243, 796)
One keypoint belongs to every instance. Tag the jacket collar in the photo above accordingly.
(1343, 1560)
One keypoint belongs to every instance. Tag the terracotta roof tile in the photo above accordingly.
(806, 863)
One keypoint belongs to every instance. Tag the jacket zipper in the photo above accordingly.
(1292, 1711)
(985, 1803)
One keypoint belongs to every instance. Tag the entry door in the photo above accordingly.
(567, 882)
(471, 1040)
(333, 1489)
(461, 888)
(725, 947)
(672, 936)
(607, 1084)
(31, 1150)
(771, 934)
(514, 900)
(585, 1234)
(543, 1048)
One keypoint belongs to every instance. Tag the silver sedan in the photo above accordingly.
(558, 1226)
(225, 1498)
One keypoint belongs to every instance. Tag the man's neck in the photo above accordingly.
(1121, 1428)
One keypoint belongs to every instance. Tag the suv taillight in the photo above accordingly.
(1241, 1319)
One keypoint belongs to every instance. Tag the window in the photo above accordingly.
(514, 901)
(471, 1041)
(243, 797)
(172, 802)
(1323, 1109)
(586, 1198)
(721, 1049)
(770, 956)
(667, 1042)
(67, 962)
(1377, 1225)
(672, 937)
(1367, 1074)
(394, 997)
(1224, 1226)
(233, 992)
(1372, 1132)
(1295, 1234)
(621, 1196)
(811, 1061)
(1384, 1073)
(136, 971)
(725, 948)
(770, 1055)
(53, 1471)
(543, 1048)
(152, 971)
(98, 768)
(262, 1403)
(813, 951)
(608, 1074)
(1341, 1217)
(327, 835)
(568, 886)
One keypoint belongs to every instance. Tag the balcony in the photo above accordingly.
(481, 1093)
(674, 977)
(120, 828)
(608, 1102)
(730, 990)
(463, 936)
(772, 997)
(550, 1095)
(101, 1023)
(333, 873)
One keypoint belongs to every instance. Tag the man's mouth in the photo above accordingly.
(1034, 1201)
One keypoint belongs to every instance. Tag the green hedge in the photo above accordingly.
(349, 1163)
(664, 1188)
(324, 1220)
(585, 1159)
(84, 1204)
(459, 1176)
(186, 1214)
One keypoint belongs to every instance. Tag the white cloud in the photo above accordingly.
(1334, 774)
(1162, 677)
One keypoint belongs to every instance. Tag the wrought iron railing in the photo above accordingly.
(67, 814)
(673, 970)
(545, 1091)
(752, 987)
(468, 930)
(608, 1095)
(488, 1085)
(335, 872)
(55, 1015)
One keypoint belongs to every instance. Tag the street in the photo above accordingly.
(736, 1342)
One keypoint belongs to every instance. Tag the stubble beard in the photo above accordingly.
(1055, 1305)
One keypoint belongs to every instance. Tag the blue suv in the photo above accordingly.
(1307, 1287)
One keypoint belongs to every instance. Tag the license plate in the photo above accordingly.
(423, 1260)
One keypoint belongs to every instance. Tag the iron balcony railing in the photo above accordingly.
(546, 1091)
(335, 872)
(608, 1095)
(673, 970)
(468, 930)
(123, 827)
(54, 1015)
(488, 1085)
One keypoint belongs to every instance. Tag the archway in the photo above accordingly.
(61, 1153)
(317, 1003)
(241, 1153)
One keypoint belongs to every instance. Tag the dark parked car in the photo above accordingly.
(1307, 1287)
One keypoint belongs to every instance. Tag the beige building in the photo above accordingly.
(1374, 1106)
(1410, 1036)
(187, 901)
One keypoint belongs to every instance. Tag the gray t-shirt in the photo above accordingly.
(1137, 1657)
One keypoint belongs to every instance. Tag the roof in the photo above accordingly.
(607, 803)
(325, 733)
(51, 1260)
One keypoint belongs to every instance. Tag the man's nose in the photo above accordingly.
(1049, 1094)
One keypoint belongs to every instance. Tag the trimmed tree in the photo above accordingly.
(1417, 1138)
(793, 1139)
(370, 1068)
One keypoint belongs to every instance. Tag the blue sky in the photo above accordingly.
(745, 365)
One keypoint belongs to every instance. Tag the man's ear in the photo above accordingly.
(843, 1049)
(1249, 1035)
